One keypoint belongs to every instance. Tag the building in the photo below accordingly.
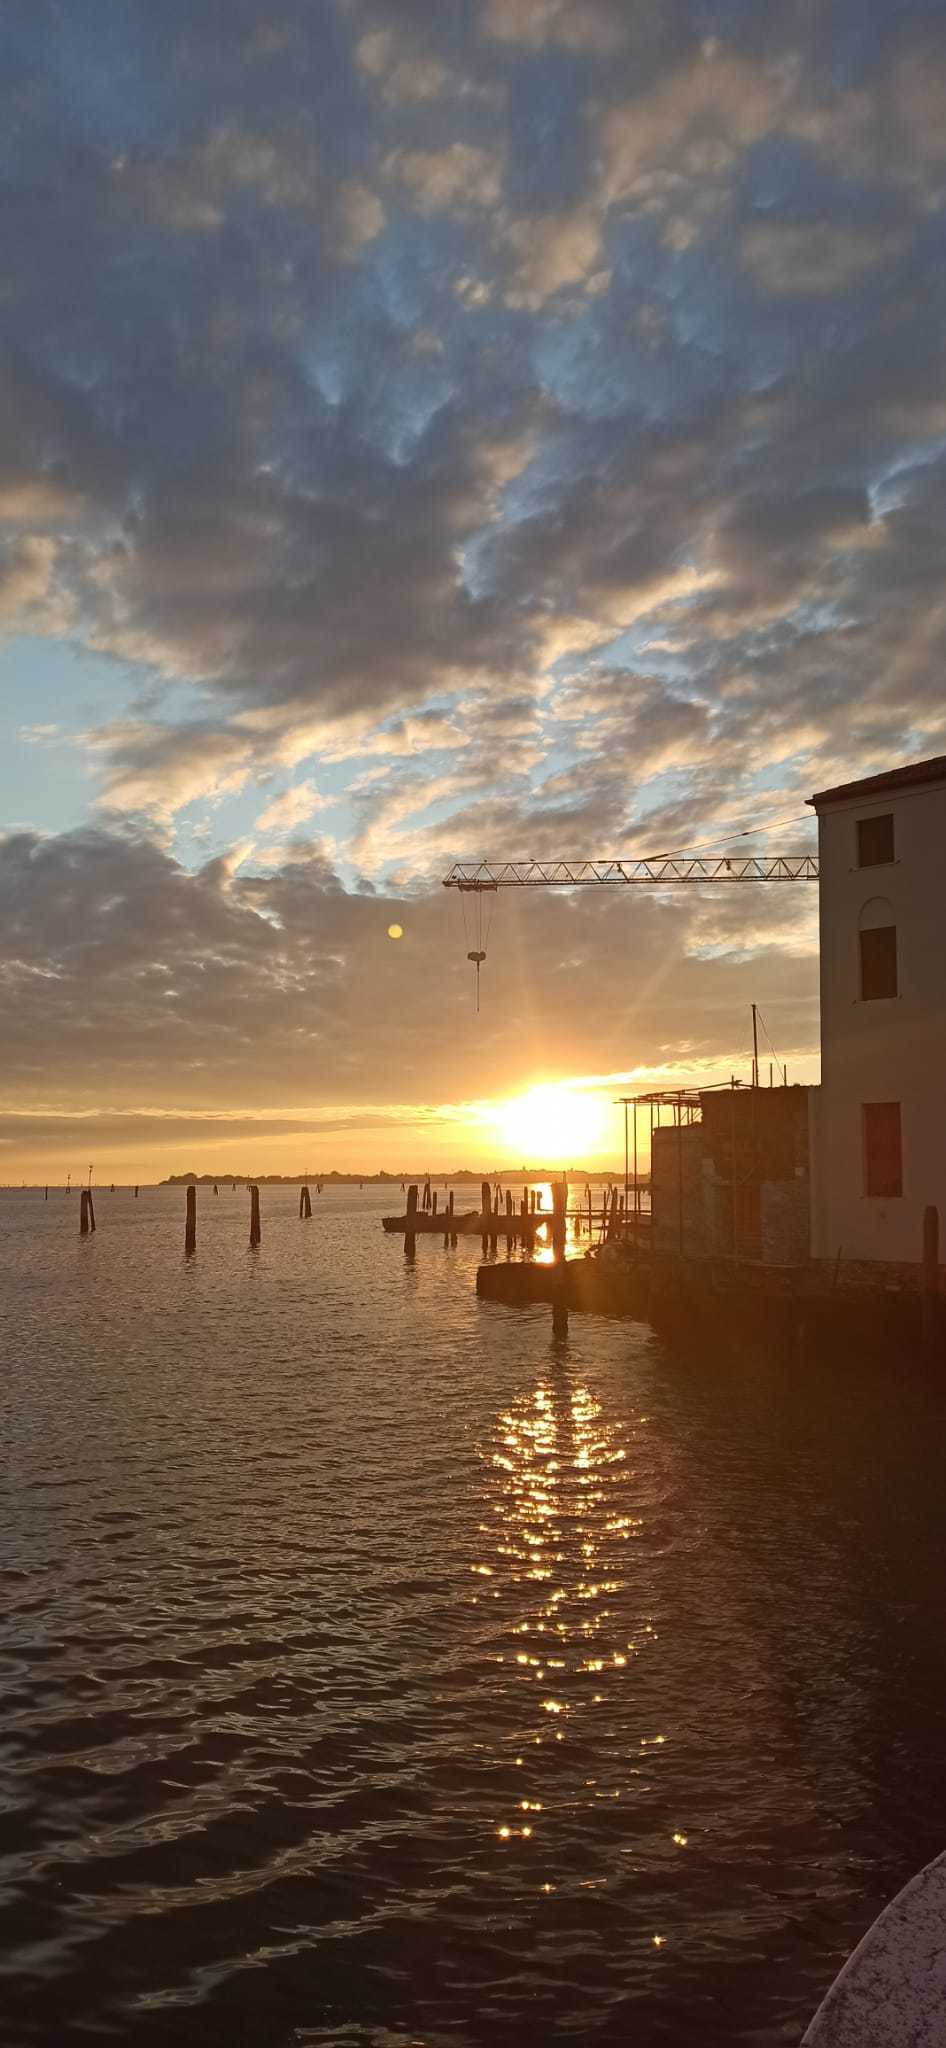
(878, 1124)
(730, 1174)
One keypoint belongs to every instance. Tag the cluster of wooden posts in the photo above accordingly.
(492, 1221)
(499, 1215)
(87, 1214)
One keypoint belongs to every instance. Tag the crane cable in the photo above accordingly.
(476, 930)
(740, 832)
(779, 1063)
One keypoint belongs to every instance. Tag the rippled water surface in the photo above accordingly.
(375, 1670)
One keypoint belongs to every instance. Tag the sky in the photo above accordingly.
(504, 427)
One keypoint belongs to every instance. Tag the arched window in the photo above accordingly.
(878, 950)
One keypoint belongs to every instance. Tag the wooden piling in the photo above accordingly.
(305, 1201)
(410, 1236)
(453, 1235)
(559, 1207)
(86, 1213)
(190, 1222)
(254, 1216)
(433, 1200)
(930, 1302)
(559, 1225)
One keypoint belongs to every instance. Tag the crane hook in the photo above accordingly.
(477, 959)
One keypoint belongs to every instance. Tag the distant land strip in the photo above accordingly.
(511, 1174)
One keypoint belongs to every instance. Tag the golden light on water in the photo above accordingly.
(558, 1530)
(553, 1124)
(395, 931)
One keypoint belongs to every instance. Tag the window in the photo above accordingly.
(883, 1160)
(878, 962)
(874, 840)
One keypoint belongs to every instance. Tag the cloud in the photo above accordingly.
(404, 71)
(157, 769)
(292, 808)
(591, 25)
(360, 215)
(816, 258)
(26, 577)
(458, 178)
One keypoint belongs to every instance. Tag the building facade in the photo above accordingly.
(878, 1122)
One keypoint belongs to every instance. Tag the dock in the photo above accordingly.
(704, 1302)
(517, 1224)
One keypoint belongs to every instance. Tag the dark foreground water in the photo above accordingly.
(375, 1671)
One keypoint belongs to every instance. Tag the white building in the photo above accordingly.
(879, 1118)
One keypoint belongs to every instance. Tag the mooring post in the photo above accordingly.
(559, 1215)
(453, 1234)
(930, 1309)
(254, 1216)
(559, 1201)
(305, 1201)
(434, 1200)
(84, 1213)
(410, 1238)
(190, 1222)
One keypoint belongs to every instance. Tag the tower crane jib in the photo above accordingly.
(480, 879)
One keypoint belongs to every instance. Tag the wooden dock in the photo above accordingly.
(517, 1223)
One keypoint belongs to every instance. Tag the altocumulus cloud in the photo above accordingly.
(532, 414)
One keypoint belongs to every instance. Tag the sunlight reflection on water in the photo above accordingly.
(374, 1666)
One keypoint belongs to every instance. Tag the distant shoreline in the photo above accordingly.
(521, 1175)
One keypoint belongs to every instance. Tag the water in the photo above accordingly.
(375, 1671)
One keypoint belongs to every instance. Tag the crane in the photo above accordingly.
(482, 878)
(663, 870)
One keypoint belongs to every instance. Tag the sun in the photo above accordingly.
(552, 1126)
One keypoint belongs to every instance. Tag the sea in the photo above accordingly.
(378, 1670)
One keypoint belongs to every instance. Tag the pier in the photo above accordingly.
(713, 1302)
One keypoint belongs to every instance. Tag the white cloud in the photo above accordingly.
(291, 809)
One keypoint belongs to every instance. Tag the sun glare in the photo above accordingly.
(552, 1126)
